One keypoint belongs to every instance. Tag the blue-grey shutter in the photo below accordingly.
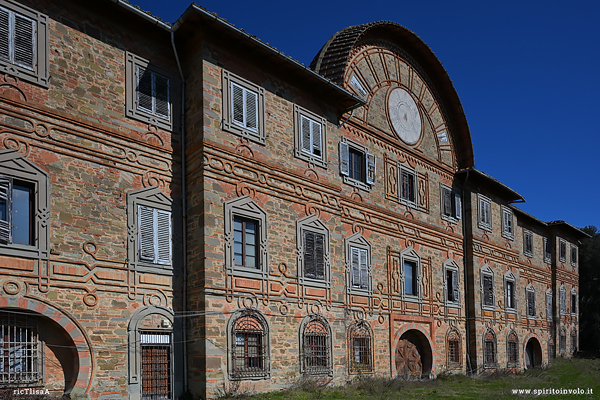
(488, 290)
(371, 169)
(305, 136)
(5, 206)
(355, 260)
(457, 206)
(161, 90)
(364, 271)
(447, 202)
(146, 233)
(316, 138)
(5, 35)
(237, 104)
(144, 89)
(548, 307)
(455, 286)
(319, 256)
(163, 237)
(251, 101)
(309, 255)
(344, 159)
(24, 44)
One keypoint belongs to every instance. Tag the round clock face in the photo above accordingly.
(404, 115)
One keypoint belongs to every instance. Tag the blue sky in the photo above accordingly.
(527, 73)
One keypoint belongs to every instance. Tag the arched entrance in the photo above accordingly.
(413, 355)
(533, 353)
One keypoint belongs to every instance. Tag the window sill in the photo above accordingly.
(511, 310)
(484, 227)
(357, 184)
(452, 304)
(320, 283)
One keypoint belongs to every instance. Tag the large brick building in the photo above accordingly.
(182, 207)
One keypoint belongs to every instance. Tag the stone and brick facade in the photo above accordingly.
(186, 208)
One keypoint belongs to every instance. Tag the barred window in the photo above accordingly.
(360, 357)
(22, 353)
(156, 365)
(563, 342)
(489, 356)
(454, 355)
(316, 348)
(512, 349)
(574, 341)
(249, 355)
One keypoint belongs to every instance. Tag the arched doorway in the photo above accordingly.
(533, 353)
(413, 355)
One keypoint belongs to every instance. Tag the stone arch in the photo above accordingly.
(532, 351)
(84, 363)
(409, 338)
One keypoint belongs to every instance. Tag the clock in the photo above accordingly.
(404, 115)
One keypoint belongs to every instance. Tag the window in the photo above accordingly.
(528, 243)
(408, 187)
(547, 251)
(453, 354)
(508, 228)
(149, 93)
(150, 228)
(360, 344)
(573, 255)
(562, 254)
(530, 292)
(250, 349)
(451, 204)
(357, 165)
(573, 341)
(484, 219)
(551, 348)
(245, 238)
(487, 288)
(23, 43)
(509, 284)
(573, 302)
(156, 368)
(24, 207)
(489, 349)
(243, 108)
(452, 283)
(358, 265)
(512, 350)
(563, 300)
(315, 340)
(21, 355)
(313, 251)
(310, 138)
(549, 312)
(411, 275)
(563, 341)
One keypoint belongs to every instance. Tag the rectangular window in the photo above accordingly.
(507, 223)
(484, 213)
(154, 234)
(573, 303)
(562, 254)
(16, 211)
(563, 301)
(451, 204)
(563, 343)
(490, 353)
(357, 165)
(547, 250)
(361, 351)
(510, 294)
(408, 187)
(452, 286)
(152, 93)
(156, 365)
(410, 278)
(549, 306)
(315, 350)
(309, 136)
(513, 352)
(244, 108)
(530, 303)
(528, 243)
(453, 352)
(245, 232)
(248, 352)
(314, 255)
(488, 291)
(360, 272)
(573, 255)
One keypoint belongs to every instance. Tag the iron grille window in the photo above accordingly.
(453, 349)
(563, 343)
(249, 352)
(489, 357)
(244, 242)
(21, 359)
(156, 365)
(360, 356)
(316, 349)
(513, 350)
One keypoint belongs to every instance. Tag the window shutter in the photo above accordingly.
(161, 90)
(455, 285)
(344, 159)
(457, 206)
(4, 34)
(354, 252)
(364, 270)
(146, 233)
(144, 89)
(5, 206)
(305, 134)
(563, 300)
(548, 307)
(319, 256)
(316, 138)
(371, 165)
(237, 104)
(488, 291)
(24, 45)
(447, 198)
(251, 110)
(163, 237)
(309, 256)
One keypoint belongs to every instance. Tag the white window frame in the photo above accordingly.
(257, 135)
(450, 199)
(486, 271)
(316, 135)
(452, 266)
(312, 224)
(530, 295)
(509, 278)
(410, 255)
(484, 212)
(357, 243)
(370, 164)
(508, 226)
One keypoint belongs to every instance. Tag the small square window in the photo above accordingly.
(357, 165)
(408, 187)
(528, 243)
(484, 218)
(451, 204)
(149, 92)
(23, 43)
(310, 138)
(243, 108)
(508, 228)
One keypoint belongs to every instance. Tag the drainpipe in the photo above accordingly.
(183, 215)
(465, 279)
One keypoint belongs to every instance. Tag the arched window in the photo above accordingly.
(489, 349)
(360, 343)
(249, 346)
(512, 350)
(315, 343)
(453, 349)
